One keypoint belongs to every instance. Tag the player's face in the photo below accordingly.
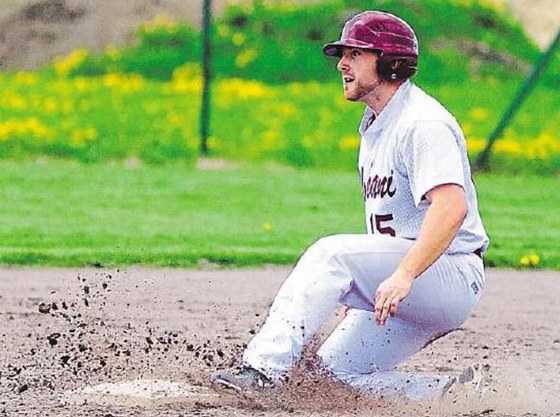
(359, 73)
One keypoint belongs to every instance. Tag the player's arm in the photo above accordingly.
(444, 217)
(446, 213)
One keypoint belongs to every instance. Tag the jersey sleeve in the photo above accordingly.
(431, 157)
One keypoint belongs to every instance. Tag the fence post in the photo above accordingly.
(206, 75)
(526, 87)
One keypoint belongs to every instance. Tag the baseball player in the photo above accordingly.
(417, 273)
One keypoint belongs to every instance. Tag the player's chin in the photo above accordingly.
(351, 95)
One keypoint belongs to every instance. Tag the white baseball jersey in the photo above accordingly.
(413, 146)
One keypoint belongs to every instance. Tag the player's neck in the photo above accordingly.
(378, 99)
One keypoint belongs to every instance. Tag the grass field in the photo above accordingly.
(61, 213)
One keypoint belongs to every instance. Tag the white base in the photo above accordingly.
(144, 392)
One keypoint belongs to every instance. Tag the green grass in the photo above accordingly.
(521, 216)
(65, 214)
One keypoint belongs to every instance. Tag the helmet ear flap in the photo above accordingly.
(395, 68)
(384, 68)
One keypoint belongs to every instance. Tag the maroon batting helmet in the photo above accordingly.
(388, 34)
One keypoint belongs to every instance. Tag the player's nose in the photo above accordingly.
(342, 64)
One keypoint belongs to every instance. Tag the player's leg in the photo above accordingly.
(324, 276)
(364, 355)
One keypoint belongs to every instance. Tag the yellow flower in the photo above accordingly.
(24, 128)
(64, 65)
(181, 85)
(79, 137)
(496, 5)
(478, 114)
(188, 71)
(174, 119)
(186, 79)
(269, 139)
(212, 143)
(67, 106)
(246, 57)
(476, 144)
(223, 31)
(286, 109)
(531, 260)
(234, 88)
(349, 142)
(543, 147)
(296, 88)
(238, 39)
(50, 105)
(15, 102)
(90, 133)
(161, 21)
(508, 146)
(308, 142)
(467, 129)
(26, 78)
(126, 83)
(80, 84)
(267, 226)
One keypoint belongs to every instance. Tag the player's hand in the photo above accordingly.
(389, 294)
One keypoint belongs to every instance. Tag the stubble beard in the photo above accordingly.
(361, 90)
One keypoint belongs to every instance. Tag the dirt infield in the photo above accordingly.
(152, 338)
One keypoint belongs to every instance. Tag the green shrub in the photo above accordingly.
(162, 46)
(281, 42)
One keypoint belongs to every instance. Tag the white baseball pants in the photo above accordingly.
(348, 269)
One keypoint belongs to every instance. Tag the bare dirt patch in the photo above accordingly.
(64, 330)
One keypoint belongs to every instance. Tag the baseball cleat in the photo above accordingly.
(473, 380)
(246, 379)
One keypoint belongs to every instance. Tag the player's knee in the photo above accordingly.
(326, 247)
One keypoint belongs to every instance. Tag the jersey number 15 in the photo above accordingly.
(376, 223)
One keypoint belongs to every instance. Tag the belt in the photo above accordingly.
(478, 252)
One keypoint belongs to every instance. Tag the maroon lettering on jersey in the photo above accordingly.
(377, 186)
